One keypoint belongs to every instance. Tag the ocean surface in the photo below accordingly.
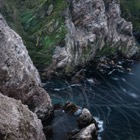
(113, 99)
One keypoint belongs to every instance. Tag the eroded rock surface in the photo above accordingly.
(85, 118)
(17, 122)
(88, 133)
(93, 25)
(18, 76)
(61, 37)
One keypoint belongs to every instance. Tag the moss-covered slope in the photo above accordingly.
(131, 12)
(40, 23)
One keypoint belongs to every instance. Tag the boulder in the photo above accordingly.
(18, 76)
(17, 122)
(88, 133)
(85, 119)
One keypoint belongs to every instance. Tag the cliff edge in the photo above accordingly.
(18, 76)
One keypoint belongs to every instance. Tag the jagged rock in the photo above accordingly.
(18, 76)
(92, 26)
(17, 122)
(75, 31)
(85, 119)
(88, 133)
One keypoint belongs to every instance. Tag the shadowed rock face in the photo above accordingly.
(18, 76)
(86, 119)
(87, 133)
(93, 25)
(17, 122)
(64, 34)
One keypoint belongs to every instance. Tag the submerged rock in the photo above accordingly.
(17, 122)
(18, 76)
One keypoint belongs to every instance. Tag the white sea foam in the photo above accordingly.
(76, 85)
(133, 95)
(115, 78)
(100, 126)
(123, 89)
(58, 89)
(91, 81)
(130, 73)
(123, 79)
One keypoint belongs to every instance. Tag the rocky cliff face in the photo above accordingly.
(17, 122)
(94, 25)
(18, 76)
(65, 34)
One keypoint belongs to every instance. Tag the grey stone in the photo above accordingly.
(18, 76)
(92, 25)
(17, 122)
(88, 133)
(85, 118)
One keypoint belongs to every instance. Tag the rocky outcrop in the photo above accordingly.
(93, 26)
(18, 76)
(17, 122)
(85, 119)
(87, 133)
(61, 37)
(87, 125)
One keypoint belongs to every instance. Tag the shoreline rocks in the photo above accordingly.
(17, 122)
(93, 27)
(86, 123)
(86, 119)
(87, 133)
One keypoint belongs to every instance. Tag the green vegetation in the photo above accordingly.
(40, 23)
(131, 12)
(107, 50)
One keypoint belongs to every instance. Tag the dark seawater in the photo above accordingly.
(115, 103)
